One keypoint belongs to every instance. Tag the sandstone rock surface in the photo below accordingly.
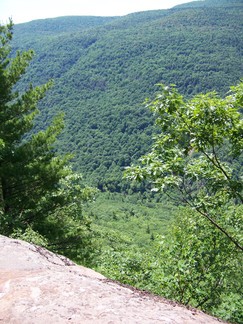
(39, 287)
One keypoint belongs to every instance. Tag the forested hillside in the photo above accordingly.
(176, 228)
(104, 68)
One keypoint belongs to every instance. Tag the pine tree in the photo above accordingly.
(39, 193)
(28, 165)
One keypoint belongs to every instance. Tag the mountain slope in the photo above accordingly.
(104, 68)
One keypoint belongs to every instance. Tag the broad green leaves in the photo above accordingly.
(196, 159)
(197, 152)
(197, 266)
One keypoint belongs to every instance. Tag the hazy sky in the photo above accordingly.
(27, 10)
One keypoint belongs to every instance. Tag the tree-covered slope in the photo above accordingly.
(104, 68)
(210, 3)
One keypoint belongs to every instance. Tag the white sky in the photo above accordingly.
(27, 10)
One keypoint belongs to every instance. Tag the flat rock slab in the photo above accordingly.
(37, 286)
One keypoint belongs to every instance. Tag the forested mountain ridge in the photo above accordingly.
(181, 240)
(210, 3)
(104, 68)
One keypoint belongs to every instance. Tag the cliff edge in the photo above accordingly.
(37, 286)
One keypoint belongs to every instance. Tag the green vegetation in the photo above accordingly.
(188, 248)
(192, 263)
(104, 68)
(40, 197)
(195, 157)
(195, 161)
(134, 219)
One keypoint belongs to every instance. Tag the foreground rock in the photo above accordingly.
(37, 286)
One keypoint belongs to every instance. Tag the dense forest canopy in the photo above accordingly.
(104, 67)
(41, 198)
(210, 3)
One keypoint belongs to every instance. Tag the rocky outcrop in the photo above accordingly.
(39, 287)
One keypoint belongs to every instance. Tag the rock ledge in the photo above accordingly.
(37, 286)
